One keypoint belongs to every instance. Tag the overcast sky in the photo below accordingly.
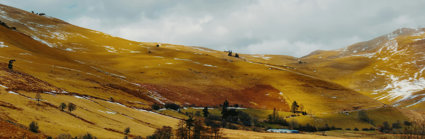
(288, 27)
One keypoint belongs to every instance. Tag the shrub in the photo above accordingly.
(34, 127)
(71, 107)
(155, 106)
(407, 123)
(64, 136)
(172, 106)
(396, 125)
(127, 130)
(356, 129)
(365, 129)
(88, 136)
(348, 129)
(62, 106)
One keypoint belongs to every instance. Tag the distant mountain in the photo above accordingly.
(389, 68)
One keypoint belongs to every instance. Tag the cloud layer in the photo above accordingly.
(290, 27)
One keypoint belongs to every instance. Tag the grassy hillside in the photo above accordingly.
(114, 81)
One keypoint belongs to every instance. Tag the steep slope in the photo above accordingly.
(88, 62)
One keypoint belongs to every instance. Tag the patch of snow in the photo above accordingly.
(3, 86)
(402, 88)
(58, 35)
(368, 55)
(42, 41)
(11, 92)
(208, 65)
(81, 97)
(135, 52)
(69, 49)
(81, 62)
(24, 54)
(422, 100)
(2, 45)
(67, 68)
(108, 112)
(51, 93)
(117, 103)
(182, 59)
(201, 49)
(110, 49)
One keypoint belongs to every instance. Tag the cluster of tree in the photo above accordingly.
(234, 116)
(276, 119)
(71, 107)
(33, 127)
(42, 14)
(171, 106)
(296, 109)
(230, 53)
(393, 128)
(187, 129)
(68, 136)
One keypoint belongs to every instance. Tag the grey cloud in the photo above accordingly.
(290, 27)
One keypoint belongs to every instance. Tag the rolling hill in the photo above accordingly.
(114, 81)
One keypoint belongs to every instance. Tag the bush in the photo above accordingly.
(127, 130)
(88, 136)
(172, 106)
(348, 129)
(64, 136)
(407, 123)
(365, 129)
(34, 127)
(62, 106)
(71, 107)
(356, 129)
(155, 106)
(396, 125)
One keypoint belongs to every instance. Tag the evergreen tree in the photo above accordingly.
(10, 66)
(224, 111)
(71, 107)
(34, 127)
(205, 112)
(230, 53)
(62, 106)
(189, 124)
(127, 130)
(294, 107)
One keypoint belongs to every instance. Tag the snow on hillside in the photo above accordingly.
(2, 45)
